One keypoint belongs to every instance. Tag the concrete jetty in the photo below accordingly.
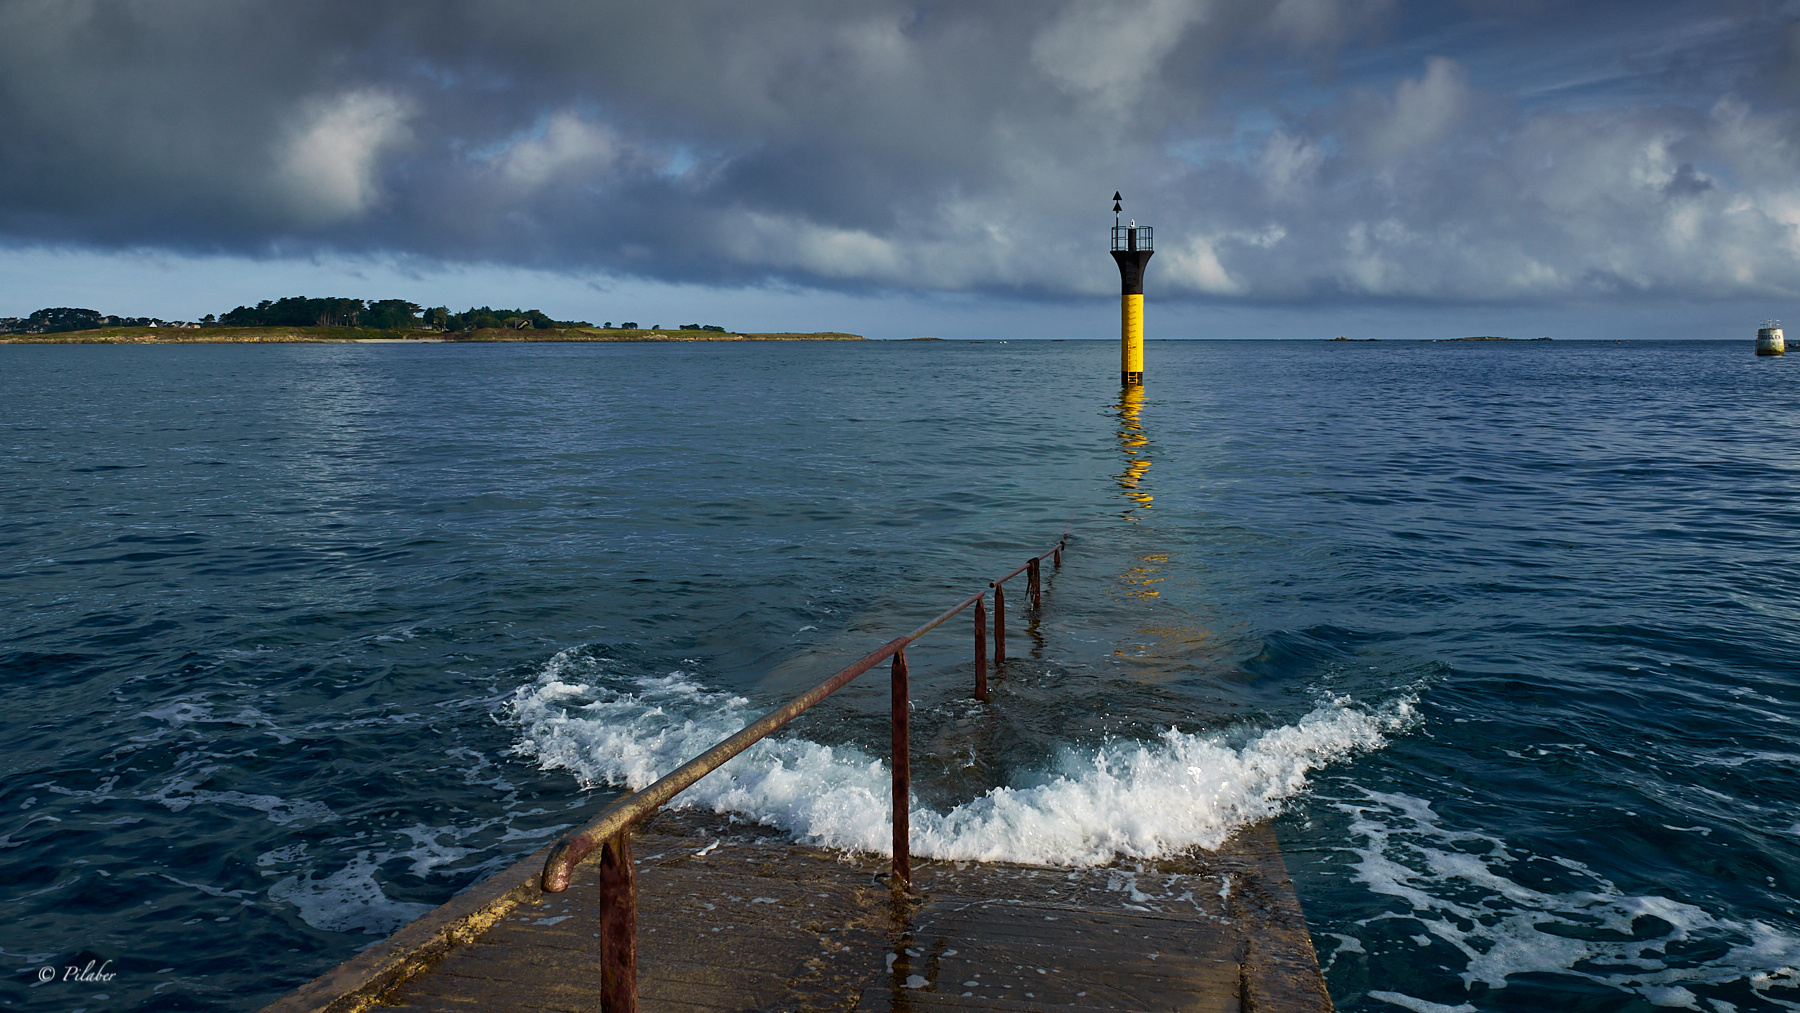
(672, 910)
(738, 918)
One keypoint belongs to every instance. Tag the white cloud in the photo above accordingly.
(1423, 111)
(1310, 23)
(784, 242)
(1107, 52)
(1195, 266)
(568, 146)
(327, 164)
(1288, 164)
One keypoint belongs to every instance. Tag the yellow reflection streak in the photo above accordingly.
(1165, 647)
(1142, 580)
(1134, 443)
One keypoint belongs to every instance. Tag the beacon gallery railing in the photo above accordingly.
(611, 830)
(1127, 238)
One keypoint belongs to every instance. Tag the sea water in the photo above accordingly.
(302, 639)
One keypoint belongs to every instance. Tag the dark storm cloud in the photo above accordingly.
(1301, 150)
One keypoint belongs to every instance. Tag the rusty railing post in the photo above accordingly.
(981, 649)
(902, 773)
(1037, 594)
(618, 926)
(999, 624)
(1058, 560)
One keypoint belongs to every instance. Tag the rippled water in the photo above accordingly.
(299, 640)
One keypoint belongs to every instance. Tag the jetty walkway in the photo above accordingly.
(672, 910)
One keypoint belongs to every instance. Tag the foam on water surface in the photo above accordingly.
(1418, 1005)
(1121, 799)
(1472, 893)
(349, 899)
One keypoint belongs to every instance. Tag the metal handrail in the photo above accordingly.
(610, 830)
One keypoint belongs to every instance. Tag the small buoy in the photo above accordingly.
(1769, 340)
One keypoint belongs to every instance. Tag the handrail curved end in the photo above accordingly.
(559, 868)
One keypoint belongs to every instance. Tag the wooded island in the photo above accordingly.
(303, 319)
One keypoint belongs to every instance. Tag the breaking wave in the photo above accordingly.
(1121, 799)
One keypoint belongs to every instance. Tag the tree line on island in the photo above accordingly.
(67, 318)
(300, 311)
(383, 315)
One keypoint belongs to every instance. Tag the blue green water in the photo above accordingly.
(299, 640)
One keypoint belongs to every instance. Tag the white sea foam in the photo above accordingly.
(1467, 889)
(1419, 1005)
(348, 899)
(181, 793)
(1130, 799)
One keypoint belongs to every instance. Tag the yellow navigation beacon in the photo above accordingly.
(1132, 246)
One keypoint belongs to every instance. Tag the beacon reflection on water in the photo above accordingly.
(1136, 447)
(1143, 578)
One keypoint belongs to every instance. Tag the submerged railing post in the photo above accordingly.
(618, 926)
(1037, 596)
(1058, 560)
(902, 706)
(999, 623)
(981, 649)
